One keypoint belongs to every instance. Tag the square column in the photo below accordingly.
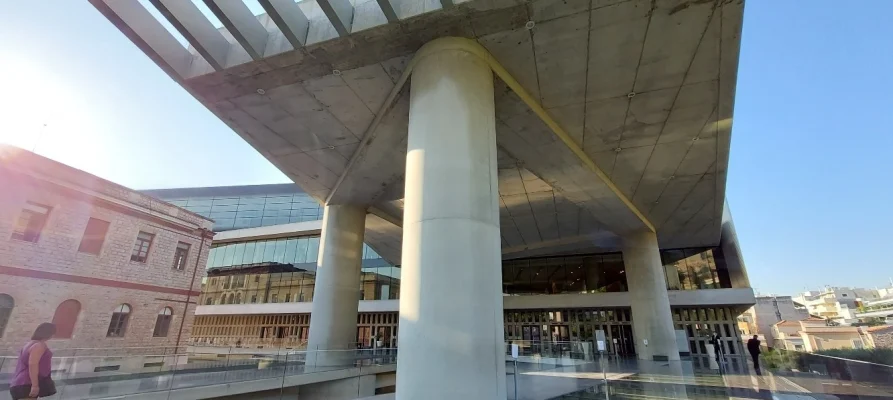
(336, 290)
(451, 330)
(652, 319)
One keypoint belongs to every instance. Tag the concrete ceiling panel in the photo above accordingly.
(604, 122)
(517, 205)
(604, 160)
(571, 118)
(514, 50)
(394, 67)
(561, 48)
(311, 167)
(628, 167)
(542, 203)
(665, 160)
(533, 183)
(615, 45)
(691, 113)
(527, 227)
(544, 10)
(705, 65)
(330, 158)
(568, 223)
(680, 186)
(334, 93)
(646, 117)
(370, 83)
(510, 182)
(700, 158)
(382, 162)
(511, 236)
(674, 32)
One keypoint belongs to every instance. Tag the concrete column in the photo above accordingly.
(336, 292)
(451, 331)
(652, 320)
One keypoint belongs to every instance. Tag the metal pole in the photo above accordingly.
(516, 378)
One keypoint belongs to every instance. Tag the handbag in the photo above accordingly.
(46, 384)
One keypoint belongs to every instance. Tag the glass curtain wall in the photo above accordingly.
(379, 280)
(233, 212)
(553, 275)
(693, 269)
(686, 269)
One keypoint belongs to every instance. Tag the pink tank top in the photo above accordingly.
(21, 376)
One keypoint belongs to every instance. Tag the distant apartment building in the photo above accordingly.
(111, 267)
(839, 304)
(769, 310)
(815, 334)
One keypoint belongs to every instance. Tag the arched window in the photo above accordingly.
(238, 298)
(229, 300)
(6, 305)
(209, 301)
(65, 317)
(118, 324)
(163, 322)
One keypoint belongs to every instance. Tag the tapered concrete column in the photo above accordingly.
(451, 331)
(336, 291)
(650, 305)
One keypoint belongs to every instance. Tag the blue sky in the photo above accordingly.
(810, 174)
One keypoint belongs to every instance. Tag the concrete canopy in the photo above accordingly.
(637, 97)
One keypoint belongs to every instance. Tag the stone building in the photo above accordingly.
(109, 266)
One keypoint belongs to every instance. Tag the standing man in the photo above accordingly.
(753, 346)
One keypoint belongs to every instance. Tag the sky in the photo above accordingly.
(810, 174)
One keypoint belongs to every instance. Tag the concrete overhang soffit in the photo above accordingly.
(337, 195)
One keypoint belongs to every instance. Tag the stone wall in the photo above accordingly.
(41, 275)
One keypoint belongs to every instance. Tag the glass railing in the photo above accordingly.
(840, 377)
(126, 372)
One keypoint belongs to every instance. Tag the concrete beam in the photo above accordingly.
(148, 34)
(340, 14)
(290, 20)
(191, 23)
(242, 24)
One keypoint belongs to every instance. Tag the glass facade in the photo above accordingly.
(686, 269)
(692, 269)
(379, 280)
(237, 212)
(574, 274)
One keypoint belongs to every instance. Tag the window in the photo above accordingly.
(209, 301)
(31, 222)
(287, 297)
(118, 324)
(180, 255)
(141, 247)
(6, 305)
(275, 298)
(94, 236)
(238, 298)
(254, 299)
(65, 317)
(163, 322)
(229, 300)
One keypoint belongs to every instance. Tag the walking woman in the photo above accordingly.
(32, 374)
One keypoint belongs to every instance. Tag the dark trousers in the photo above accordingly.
(756, 361)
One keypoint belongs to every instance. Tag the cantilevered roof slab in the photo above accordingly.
(612, 116)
